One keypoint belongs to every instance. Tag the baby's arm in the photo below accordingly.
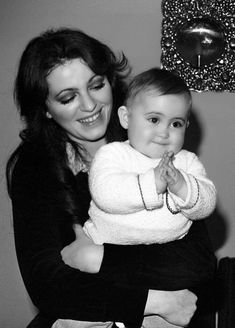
(199, 199)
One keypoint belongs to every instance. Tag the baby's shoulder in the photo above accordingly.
(112, 149)
(186, 159)
(185, 155)
(114, 146)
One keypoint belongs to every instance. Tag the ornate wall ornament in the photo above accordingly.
(198, 42)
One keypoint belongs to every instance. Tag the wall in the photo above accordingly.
(134, 27)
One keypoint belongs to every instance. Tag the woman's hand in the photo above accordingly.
(83, 254)
(176, 307)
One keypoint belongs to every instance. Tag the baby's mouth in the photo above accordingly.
(161, 143)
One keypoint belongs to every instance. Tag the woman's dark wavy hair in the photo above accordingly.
(42, 54)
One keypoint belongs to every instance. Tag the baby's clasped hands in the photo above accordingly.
(161, 171)
(168, 176)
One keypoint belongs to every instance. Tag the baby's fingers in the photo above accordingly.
(172, 172)
(170, 154)
(166, 159)
(163, 174)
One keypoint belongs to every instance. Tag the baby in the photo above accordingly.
(148, 189)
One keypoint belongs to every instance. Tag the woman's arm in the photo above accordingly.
(176, 307)
(41, 231)
(59, 291)
(192, 258)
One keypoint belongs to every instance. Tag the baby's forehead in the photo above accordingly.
(174, 105)
(141, 95)
(146, 94)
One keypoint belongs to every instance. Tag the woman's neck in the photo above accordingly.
(92, 147)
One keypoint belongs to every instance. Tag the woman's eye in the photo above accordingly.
(97, 86)
(177, 124)
(67, 100)
(97, 83)
(154, 120)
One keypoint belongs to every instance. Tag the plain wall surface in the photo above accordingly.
(133, 26)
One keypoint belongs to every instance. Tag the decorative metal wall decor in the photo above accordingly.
(198, 42)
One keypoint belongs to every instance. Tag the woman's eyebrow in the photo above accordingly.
(74, 88)
(95, 76)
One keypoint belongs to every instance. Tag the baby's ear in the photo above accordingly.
(123, 116)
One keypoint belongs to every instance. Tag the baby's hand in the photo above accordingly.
(161, 173)
(175, 181)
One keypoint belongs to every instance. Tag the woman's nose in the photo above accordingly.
(87, 103)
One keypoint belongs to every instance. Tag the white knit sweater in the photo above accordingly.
(117, 211)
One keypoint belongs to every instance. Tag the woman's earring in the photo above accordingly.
(48, 115)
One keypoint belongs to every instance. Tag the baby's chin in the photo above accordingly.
(155, 156)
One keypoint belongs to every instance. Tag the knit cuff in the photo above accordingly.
(147, 187)
(192, 195)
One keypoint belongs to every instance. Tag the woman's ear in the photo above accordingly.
(123, 116)
(48, 115)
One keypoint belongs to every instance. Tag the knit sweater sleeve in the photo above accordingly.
(201, 197)
(118, 185)
(41, 230)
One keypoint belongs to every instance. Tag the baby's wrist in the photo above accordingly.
(179, 188)
(161, 187)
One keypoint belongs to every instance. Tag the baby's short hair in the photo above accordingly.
(156, 79)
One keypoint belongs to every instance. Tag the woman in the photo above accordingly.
(68, 89)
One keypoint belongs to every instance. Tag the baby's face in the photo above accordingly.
(157, 123)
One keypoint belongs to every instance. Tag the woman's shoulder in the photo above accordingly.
(29, 161)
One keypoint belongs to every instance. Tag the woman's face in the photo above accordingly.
(79, 101)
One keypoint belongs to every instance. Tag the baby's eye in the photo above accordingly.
(154, 120)
(177, 124)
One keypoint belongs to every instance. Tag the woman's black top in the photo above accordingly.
(119, 291)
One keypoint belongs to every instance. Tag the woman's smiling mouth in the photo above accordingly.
(90, 119)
